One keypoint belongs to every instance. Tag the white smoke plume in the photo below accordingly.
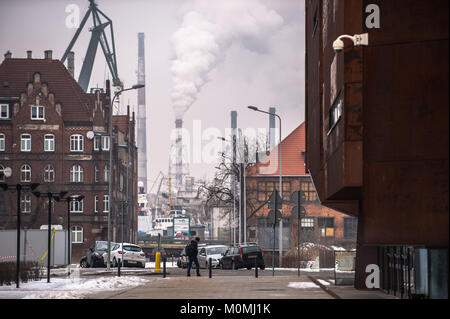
(206, 33)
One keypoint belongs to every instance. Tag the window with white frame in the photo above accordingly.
(25, 142)
(25, 203)
(96, 204)
(49, 143)
(105, 203)
(77, 234)
(76, 174)
(96, 174)
(37, 112)
(307, 223)
(106, 173)
(76, 143)
(25, 173)
(96, 143)
(105, 143)
(76, 206)
(4, 111)
(2, 173)
(49, 174)
(2, 142)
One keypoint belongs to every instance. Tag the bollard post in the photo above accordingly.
(158, 262)
(256, 268)
(210, 267)
(164, 266)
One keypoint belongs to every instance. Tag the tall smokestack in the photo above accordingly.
(272, 110)
(179, 153)
(234, 132)
(141, 115)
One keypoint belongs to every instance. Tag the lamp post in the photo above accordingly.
(280, 243)
(18, 187)
(110, 128)
(124, 204)
(50, 196)
(69, 232)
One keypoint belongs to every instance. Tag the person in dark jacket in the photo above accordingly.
(191, 252)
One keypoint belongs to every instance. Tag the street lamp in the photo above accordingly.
(18, 187)
(134, 87)
(124, 203)
(280, 244)
(69, 232)
(57, 197)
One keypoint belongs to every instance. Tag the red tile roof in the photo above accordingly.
(76, 105)
(292, 159)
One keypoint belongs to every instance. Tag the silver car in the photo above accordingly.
(215, 252)
(130, 253)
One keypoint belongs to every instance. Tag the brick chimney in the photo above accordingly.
(8, 55)
(71, 63)
(48, 54)
(29, 54)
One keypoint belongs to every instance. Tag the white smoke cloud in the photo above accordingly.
(206, 33)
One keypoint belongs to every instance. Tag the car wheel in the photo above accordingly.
(249, 268)
(262, 267)
(83, 263)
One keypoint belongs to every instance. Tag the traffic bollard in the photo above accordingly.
(256, 268)
(164, 267)
(210, 267)
(158, 262)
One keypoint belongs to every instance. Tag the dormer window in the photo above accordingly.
(4, 111)
(37, 112)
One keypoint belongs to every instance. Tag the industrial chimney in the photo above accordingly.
(71, 63)
(179, 152)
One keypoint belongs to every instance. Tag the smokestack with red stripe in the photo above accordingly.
(179, 152)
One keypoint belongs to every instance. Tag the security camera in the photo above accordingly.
(338, 46)
(358, 39)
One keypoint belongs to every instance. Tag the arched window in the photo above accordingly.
(49, 174)
(25, 173)
(76, 174)
(77, 234)
(76, 143)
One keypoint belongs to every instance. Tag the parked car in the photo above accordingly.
(154, 251)
(94, 255)
(215, 252)
(182, 261)
(131, 254)
(243, 256)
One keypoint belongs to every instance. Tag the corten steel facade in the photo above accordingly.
(321, 225)
(383, 156)
(43, 139)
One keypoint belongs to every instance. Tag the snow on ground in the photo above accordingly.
(302, 285)
(68, 288)
(323, 282)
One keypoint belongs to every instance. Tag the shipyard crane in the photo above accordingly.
(98, 35)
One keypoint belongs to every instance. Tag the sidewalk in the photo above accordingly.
(226, 287)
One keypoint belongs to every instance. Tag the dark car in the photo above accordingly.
(182, 261)
(244, 256)
(94, 255)
(154, 251)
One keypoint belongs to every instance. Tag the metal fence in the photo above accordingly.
(34, 246)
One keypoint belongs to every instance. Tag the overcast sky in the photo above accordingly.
(213, 56)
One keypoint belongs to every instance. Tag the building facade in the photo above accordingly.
(321, 225)
(55, 134)
(377, 134)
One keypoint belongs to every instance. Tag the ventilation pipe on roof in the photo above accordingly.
(48, 54)
(29, 54)
(8, 55)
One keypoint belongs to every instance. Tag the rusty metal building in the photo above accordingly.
(54, 134)
(377, 134)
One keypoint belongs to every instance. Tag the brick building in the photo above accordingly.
(377, 134)
(321, 225)
(44, 124)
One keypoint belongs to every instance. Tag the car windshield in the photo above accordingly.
(250, 249)
(132, 248)
(102, 245)
(216, 250)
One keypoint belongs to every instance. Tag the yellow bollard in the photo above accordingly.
(158, 262)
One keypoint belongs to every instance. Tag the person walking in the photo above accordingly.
(191, 253)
